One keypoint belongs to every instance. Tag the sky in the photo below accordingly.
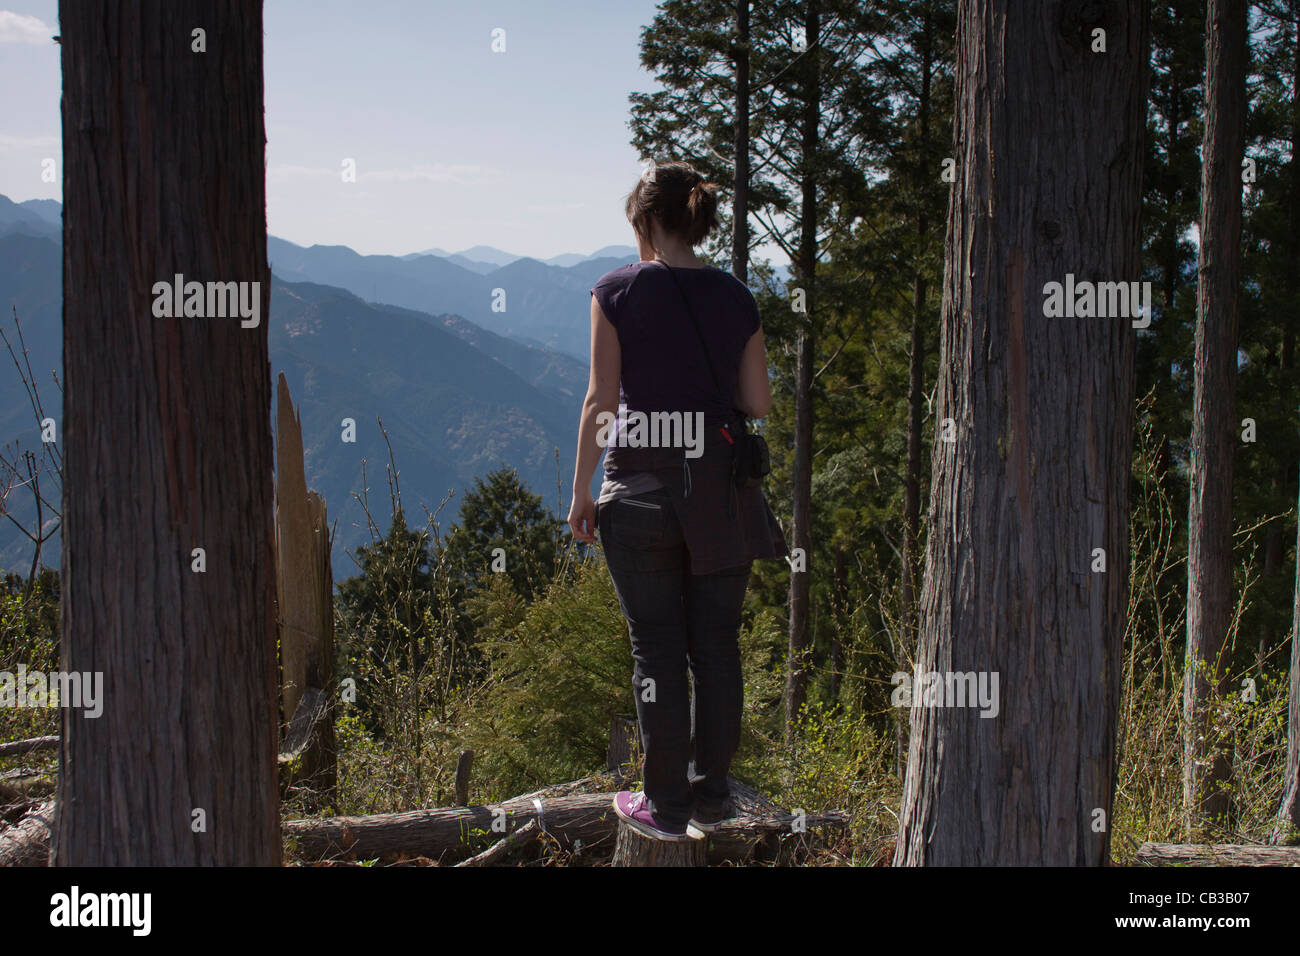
(454, 145)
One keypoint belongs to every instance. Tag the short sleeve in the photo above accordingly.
(610, 291)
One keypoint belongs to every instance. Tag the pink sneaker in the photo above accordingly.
(633, 808)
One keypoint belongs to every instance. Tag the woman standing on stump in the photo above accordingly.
(678, 347)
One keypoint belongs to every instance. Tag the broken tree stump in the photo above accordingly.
(305, 617)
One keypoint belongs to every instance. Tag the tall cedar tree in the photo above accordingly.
(167, 440)
(1214, 426)
(1048, 140)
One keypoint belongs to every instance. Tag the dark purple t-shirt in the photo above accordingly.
(663, 363)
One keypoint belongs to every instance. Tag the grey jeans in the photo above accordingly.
(680, 624)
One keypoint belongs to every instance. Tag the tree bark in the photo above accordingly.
(1287, 829)
(915, 397)
(796, 685)
(1288, 822)
(1214, 427)
(167, 441)
(1048, 138)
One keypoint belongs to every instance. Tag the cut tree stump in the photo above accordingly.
(1217, 854)
(633, 849)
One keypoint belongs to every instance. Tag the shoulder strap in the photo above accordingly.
(695, 322)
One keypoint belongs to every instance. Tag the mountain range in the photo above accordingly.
(412, 341)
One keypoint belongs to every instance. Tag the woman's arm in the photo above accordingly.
(754, 391)
(602, 397)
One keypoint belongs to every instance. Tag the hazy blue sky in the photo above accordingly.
(455, 145)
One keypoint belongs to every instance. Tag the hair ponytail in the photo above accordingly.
(677, 195)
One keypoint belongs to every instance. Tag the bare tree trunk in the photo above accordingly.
(1048, 139)
(168, 440)
(796, 684)
(1288, 824)
(1214, 428)
(915, 396)
(740, 203)
(1288, 821)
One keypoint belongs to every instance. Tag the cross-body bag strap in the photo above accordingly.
(694, 322)
(751, 461)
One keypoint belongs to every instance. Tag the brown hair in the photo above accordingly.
(676, 194)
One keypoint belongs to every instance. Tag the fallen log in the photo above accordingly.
(1217, 854)
(436, 832)
(28, 843)
(568, 817)
(16, 748)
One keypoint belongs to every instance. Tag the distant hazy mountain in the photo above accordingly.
(31, 218)
(452, 411)
(483, 259)
(457, 400)
(544, 305)
(48, 209)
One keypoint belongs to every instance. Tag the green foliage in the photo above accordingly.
(559, 671)
(502, 523)
(29, 636)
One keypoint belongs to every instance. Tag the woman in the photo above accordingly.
(672, 336)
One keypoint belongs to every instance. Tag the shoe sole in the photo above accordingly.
(648, 831)
(699, 831)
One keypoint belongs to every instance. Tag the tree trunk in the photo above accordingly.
(1214, 428)
(915, 397)
(796, 684)
(168, 440)
(1287, 829)
(1288, 823)
(740, 201)
(1048, 138)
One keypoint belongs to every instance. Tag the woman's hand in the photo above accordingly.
(582, 516)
